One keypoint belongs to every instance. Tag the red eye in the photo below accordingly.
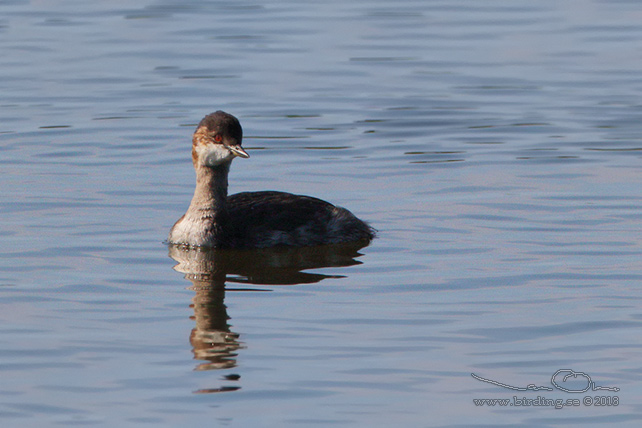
(218, 138)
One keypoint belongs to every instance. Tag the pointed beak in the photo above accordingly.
(238, 151)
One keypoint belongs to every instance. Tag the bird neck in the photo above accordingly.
(211, 188)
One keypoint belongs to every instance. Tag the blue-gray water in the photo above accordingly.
(495, 145)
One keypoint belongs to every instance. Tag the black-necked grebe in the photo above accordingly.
(252, 219)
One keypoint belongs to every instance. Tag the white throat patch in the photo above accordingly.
(213, 154)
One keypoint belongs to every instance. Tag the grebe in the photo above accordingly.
(252, 219)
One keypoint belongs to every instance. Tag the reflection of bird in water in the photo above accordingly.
(280, 265)
(208, 269)
(211, 339)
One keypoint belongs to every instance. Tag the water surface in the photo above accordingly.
(495, 146)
